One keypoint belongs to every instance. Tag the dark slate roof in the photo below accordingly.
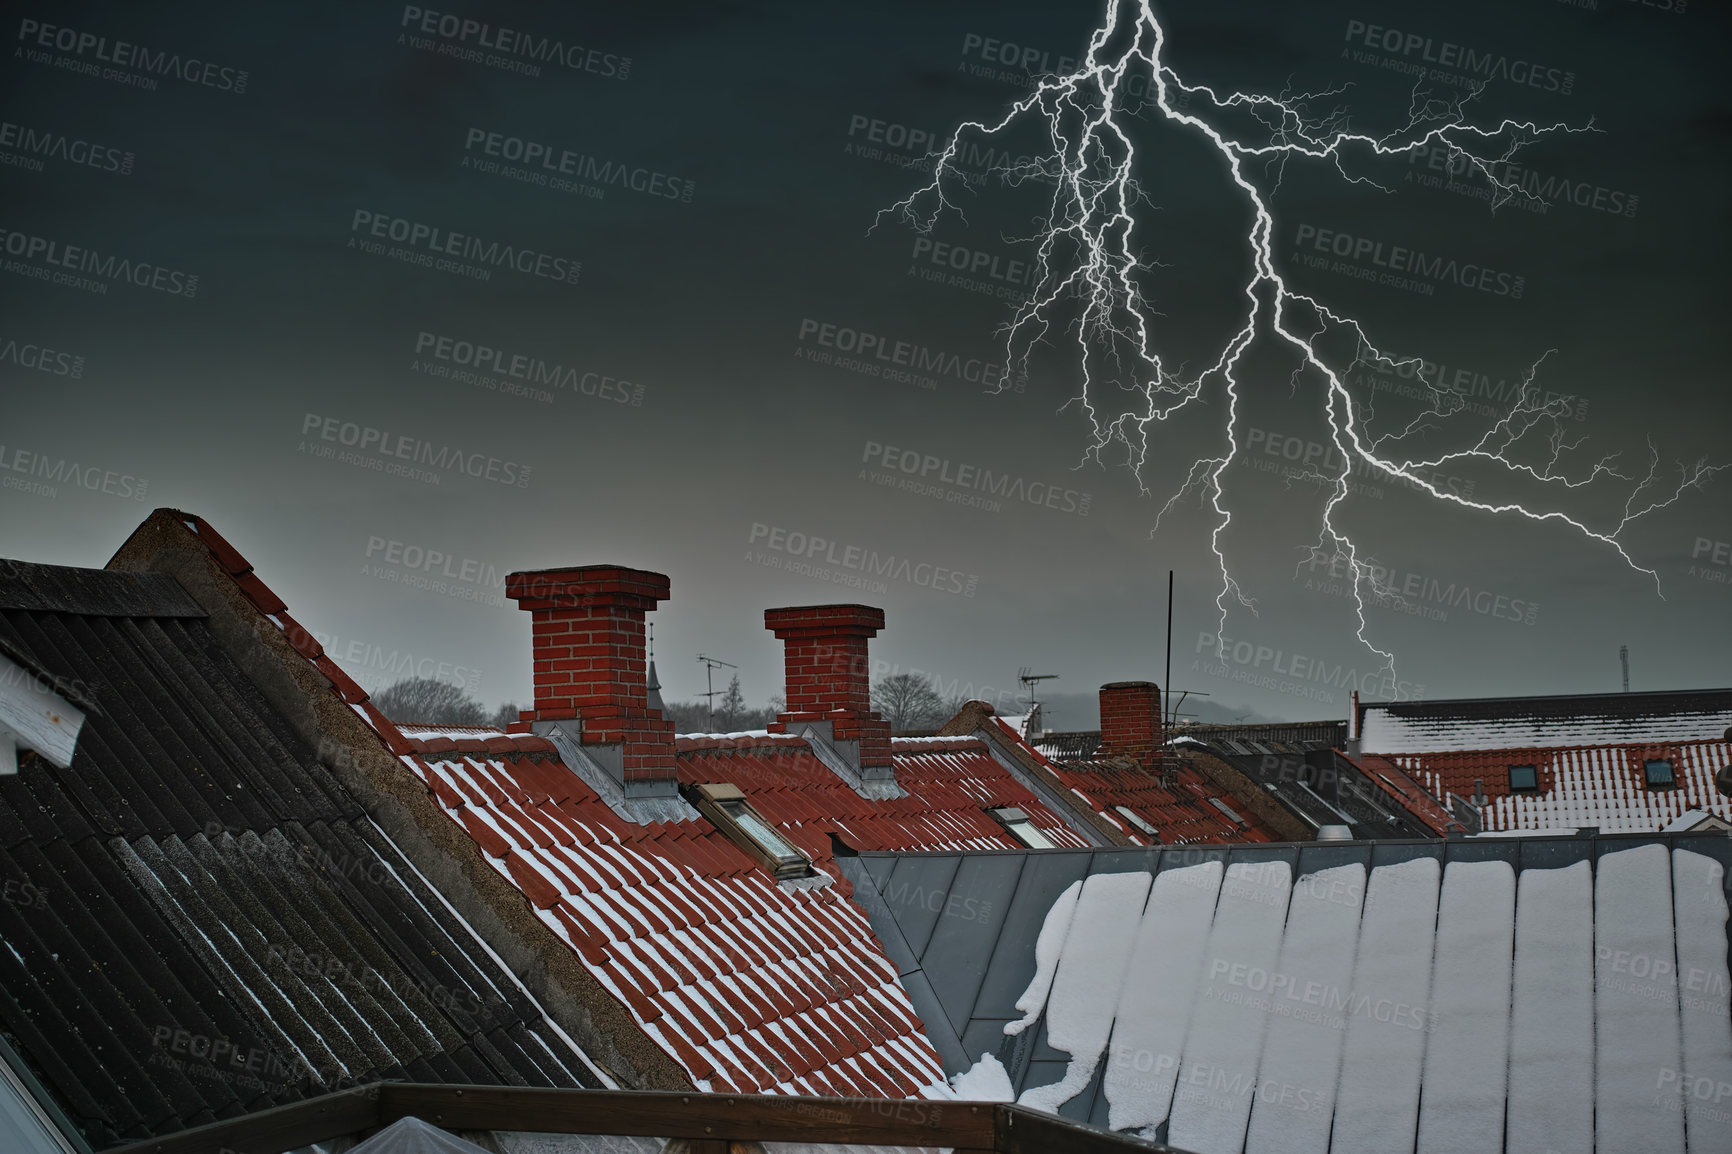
(1242, 1007)
(1325, 788)
(198, 920)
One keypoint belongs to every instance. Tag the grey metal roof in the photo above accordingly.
(1564, 991)
(198, 920)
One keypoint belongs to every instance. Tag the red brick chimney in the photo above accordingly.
(829, 680)
(1131, 720)
(590, 668)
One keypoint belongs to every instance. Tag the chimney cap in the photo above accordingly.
(586, 585)
(864, 620)
(1130, 685)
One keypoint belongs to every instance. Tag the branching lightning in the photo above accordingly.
(1089, 261)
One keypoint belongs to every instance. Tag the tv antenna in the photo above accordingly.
(710, 667)
(1030, 681)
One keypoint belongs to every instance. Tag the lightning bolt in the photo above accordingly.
(1089, 260)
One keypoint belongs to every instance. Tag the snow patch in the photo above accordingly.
(985, 1081)
(1377, 1108)
(1218, 1077)
(1155, 1009)
(1551, 1049)
(1046, 951)
(1090, 974)
(1467, 1049)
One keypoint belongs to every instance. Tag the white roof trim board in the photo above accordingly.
(33, 716)
(1437, 1008)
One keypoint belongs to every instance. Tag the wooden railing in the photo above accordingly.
(710, 1121)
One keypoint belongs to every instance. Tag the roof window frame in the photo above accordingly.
(1020, 826)
(1530, 786)
(727, 808)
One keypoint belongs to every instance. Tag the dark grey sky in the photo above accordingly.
(689, 437)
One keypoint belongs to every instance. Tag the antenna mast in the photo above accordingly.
(710, 667)
(1624, 659)
(1029, 683)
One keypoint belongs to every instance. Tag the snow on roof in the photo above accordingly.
(1545, 722)
(1481, 1003)
(1601, 786)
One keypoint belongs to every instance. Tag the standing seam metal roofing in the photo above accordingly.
(1522, 995)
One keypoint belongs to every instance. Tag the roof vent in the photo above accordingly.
(1334, 833)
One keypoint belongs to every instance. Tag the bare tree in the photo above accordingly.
(429, 701)
(733, 705)
(909, 701)
(505, 715)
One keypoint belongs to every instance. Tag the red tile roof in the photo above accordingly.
(1600, 785)
(751, 985)
(950, 786)
(734, 975)
(1419, 800)
(1180, 815)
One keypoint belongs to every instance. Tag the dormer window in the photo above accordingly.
(1524, 778)
(1016, 823)
(1658, 773)
(1136, 819)
(729, 811)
